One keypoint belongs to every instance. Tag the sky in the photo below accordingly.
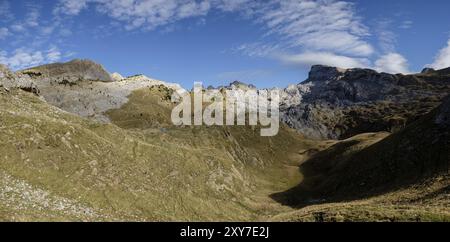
(269, 43)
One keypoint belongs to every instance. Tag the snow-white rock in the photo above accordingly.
(117, 77)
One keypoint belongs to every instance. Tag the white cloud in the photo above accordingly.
(407, 24)
(31, 19)
(18, 27)
(392, 63)
(386, 37)
(23, 58)
(5, 11)
(230, 5)
(323, 25)
(65, 32)
(313, 25)
(47, 30)
(300, 32)
(4, 32)
(258, 49)
(53, 54)
(33, 15)
(442, 60)
(70, 7)
(324, 58)
(31, 37)
(308, 32)
(146, 14)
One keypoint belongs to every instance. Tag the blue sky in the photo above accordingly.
(267, 43)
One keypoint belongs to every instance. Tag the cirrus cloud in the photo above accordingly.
(146, 14)
(392, 63)
(23, 58)
(319, 25)
(310, 32)
(442, 59)
(4, 32)
(324, 58)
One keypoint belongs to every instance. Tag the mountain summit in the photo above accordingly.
(339, 103)
(71, 71)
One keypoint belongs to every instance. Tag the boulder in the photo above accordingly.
(9, 79)
(117, 77)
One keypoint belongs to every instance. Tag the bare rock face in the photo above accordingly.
(428, 70)
(336, 103)
(322, 73)
(84, 88)
(71, 72)
(445, 71)
(9, 79)
(117, 77)
(332, 103)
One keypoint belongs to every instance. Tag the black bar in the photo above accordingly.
(226, 231)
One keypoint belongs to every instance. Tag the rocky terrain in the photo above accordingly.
(70, 72)
(85, 88)
(80, 144)
(408, 169)
(338, 103)
(9, 79)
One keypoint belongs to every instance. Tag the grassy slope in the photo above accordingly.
(57, 166)
(112, 173)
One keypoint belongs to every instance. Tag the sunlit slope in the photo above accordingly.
(58, 166)
(104, 172)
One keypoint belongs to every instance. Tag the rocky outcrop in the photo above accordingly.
(235, 85)
(70, 72)
(339, 103)
(117, 77)
(84, 88)
(428, 70)
(9, 79)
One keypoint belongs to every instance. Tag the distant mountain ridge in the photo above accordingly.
(71, 71)
(85, 88)
(333, 103)
(58, 162)
(340, 103)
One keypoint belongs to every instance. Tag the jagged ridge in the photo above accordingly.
(340, 103)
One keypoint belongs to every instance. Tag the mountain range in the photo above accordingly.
(81, 144)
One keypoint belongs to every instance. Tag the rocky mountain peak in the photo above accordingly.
(339, 103)
(323, 73)
(241, 85)
(235, 85)
(431, 71)
(71, 71)
(428, 70)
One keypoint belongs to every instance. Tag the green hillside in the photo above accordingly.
(112, 173)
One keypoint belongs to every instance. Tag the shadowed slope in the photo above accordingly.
(411, 165)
